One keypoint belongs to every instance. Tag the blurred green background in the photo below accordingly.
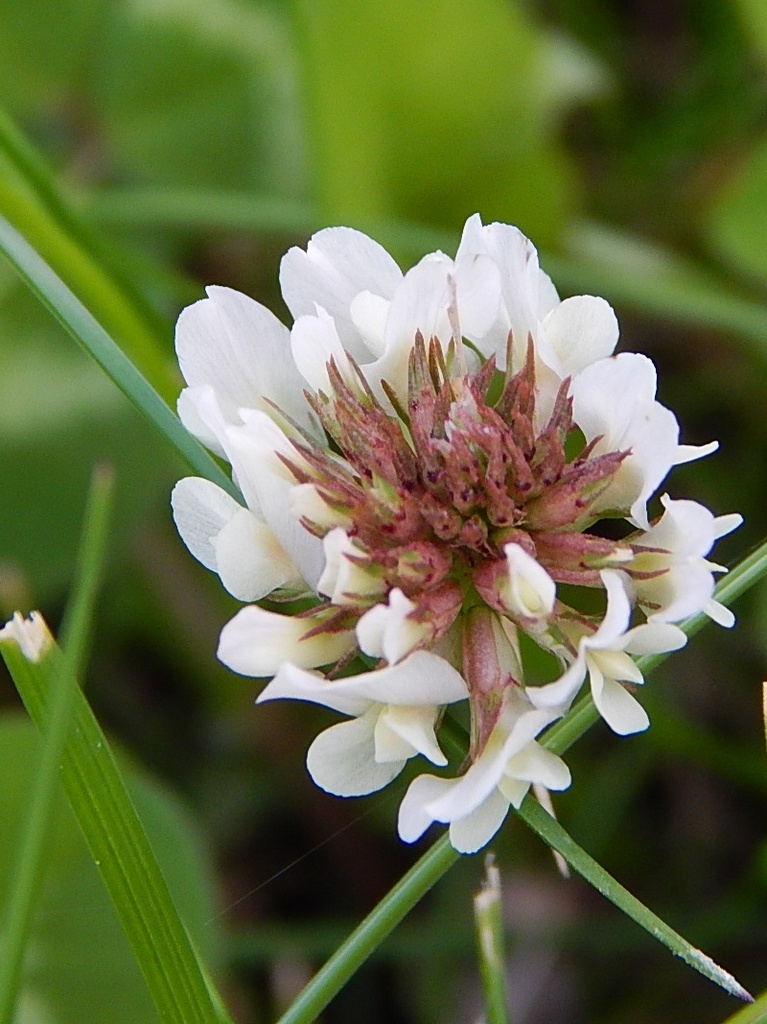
(154, 146)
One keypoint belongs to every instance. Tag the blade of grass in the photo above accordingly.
(85, 329)
(88, 279)
(552, 833)
(32, 849)
(120, 848)
(90, 262)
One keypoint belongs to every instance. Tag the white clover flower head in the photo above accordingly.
(425, 458)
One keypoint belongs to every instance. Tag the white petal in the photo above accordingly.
(338, 264)
(687, 532)
(514, 790)
(251, 562)
(199, 411)
(200, 511)
(257, 642)
(314, 342)
(369, 314)
(409, 730)
(683, 590)
(341, 759)
(580, 330)
(478, 294)
(619, 709)
(509, 736)
(267, 483)
(615, 398)
(685, 528)
(536, 764)
(562, 691)
(528, 293)
(386, 631)
(240, 349)
(413, 818)
(726, 524)
(654, 638)
(719, 613)
(614, 624)
(294, 683)
(31, 635)
(420, 303)
(614, 665)
(531, 592)
(653, 448)
(691, 452)
(469, 834)
(422, 679)
(307, 503)
(344, 579)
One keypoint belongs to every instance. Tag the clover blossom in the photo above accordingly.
(424, 460)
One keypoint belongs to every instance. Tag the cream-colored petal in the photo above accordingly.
(31, 634)
(615, 704)
(201, 509)
(341, 759)
(531, 592)
(251, 561)
(257, 642)
(580, 330)
(239, 348)
(405, 731)
(388, 630)
(423, 679)
(469, 834)
(534, 763)
(414, 818)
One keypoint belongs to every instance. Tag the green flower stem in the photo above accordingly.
(119, 846)
(84, 328)
(349, 956)
(33, 845)
(488, 916)
(552, 833)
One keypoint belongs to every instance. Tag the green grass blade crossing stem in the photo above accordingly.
(78, 321)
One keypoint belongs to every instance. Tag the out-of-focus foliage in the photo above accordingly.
(187, 143)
